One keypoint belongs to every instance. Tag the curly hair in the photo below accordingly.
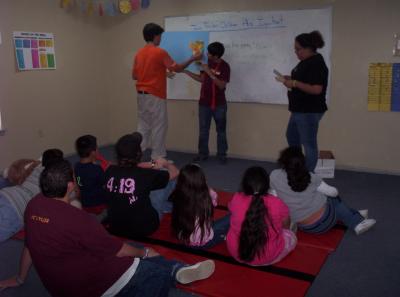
(292, 160)
(192, 204)
(254, 230)
(312, 40)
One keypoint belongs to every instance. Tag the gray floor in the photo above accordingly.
(362, 266)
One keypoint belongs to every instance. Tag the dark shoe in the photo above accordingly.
(223, 160)
(200, 158)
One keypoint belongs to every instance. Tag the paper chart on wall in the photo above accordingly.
(384, 87)
(34, 50)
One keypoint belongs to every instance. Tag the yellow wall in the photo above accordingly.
(43, 109)
(92, 92)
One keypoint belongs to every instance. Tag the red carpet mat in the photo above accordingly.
(291, 277)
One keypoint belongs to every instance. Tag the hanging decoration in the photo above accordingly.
(145, 4)
(135, 5)
(105, 7)
(125, 6)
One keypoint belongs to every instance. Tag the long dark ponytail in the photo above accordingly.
(254, 230)
(292, 160)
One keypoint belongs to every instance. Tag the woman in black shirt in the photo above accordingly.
(307, 95)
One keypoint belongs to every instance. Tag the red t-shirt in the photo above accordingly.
(150, 69)
(209, 91)
(71, 251)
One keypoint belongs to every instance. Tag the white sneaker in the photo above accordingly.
(364, 213)
(364, 226)
(198, 271)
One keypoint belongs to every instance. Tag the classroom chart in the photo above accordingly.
(256, 43)
(384, 87)
(34, 50)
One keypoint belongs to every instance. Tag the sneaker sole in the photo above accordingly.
(199, 271)
(365, 229)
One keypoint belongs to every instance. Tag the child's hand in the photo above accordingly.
(198, 56)
(152, 253)
(205, 68)
(161, 163)
(9, 283)
(170, 74)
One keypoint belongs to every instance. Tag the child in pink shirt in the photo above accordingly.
(258, 233)
(193, 207)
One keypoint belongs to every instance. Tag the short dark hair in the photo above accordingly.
(85, 145)
(54, 179)
(128, 149)
(216, 49)
(151, 30)
(51, 155)
(312, 40)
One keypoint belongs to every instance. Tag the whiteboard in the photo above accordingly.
(256, 42)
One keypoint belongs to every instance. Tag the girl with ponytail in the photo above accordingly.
(258, 233)
(314, 205)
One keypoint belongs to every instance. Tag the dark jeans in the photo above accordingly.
(219, 115)
(153, 277)
(4, 182)
(335, 211)
(159, 199)
(220, 228)
(302, 130)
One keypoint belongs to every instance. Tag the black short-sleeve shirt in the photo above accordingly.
(130, 211)
(310, 71)
(90, 180)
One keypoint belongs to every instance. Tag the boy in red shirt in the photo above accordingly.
(212, 104)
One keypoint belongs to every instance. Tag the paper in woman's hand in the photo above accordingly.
(279, 77)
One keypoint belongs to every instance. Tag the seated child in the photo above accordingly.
(18, 171)
(313, 205)
(90, 176)
(258, 233)
(192, 212)
(131, 211)
(13, 199)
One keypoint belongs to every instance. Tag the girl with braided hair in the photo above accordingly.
(259, 231)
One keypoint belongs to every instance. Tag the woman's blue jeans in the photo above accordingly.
(159, 199)
(302, 130)
(220, 228)
(336, 210)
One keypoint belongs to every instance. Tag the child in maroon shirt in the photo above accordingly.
(212, 104)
